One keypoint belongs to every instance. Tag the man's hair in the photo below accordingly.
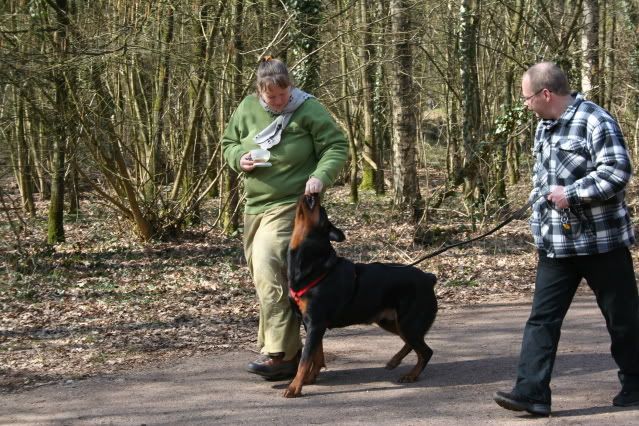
(272, 73)
(547, 75)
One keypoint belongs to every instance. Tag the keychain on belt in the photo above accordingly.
(565, 223)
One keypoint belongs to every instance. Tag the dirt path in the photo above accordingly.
(475, 354)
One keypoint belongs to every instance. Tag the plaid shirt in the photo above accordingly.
(585, 152)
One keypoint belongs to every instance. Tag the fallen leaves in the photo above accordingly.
(104, 303)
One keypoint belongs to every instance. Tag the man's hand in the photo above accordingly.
(313, 186)
(558, 197)
(246, 162)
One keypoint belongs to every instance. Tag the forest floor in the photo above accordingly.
(475, 348)
(103, 302)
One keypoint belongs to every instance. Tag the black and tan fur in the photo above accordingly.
(399, 299)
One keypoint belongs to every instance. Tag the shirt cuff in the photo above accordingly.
(326, 180)
(571, 195)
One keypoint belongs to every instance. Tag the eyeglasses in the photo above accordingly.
(524, 99)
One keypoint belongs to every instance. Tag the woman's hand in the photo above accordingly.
(313, 186)
(246, 162)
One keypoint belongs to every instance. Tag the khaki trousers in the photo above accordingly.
(266, 238)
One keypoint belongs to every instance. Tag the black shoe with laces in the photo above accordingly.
(515, 402)
(626, 398)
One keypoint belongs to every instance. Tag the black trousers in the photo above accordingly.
(611, 277)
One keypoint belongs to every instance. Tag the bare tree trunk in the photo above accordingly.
(153, 160)
(603, 53)
(559, 26)
(138, 86)
(631, 14)
(453, 156)
(471, 129)
(210, 139)
(210, 134)
(23, 172)
(590, 51)
(405, 183)
(106, 140)
(197, 91)
(610, 62)
(381, 103)
(509, 146)
(74, 191)
(38, 145)
(371, 164)
(346, 101)
(305, 37)
(55, 232)
(230, 219)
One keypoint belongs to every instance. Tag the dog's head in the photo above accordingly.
(311, 221)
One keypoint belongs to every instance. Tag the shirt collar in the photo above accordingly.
(568, 114)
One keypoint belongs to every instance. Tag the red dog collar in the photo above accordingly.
(297, 295)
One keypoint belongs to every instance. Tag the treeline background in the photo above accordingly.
(127, 99)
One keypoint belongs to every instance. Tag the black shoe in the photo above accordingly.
(512, 401)
(626, 398)
(273, 367)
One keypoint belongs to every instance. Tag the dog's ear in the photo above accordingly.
(336, 234)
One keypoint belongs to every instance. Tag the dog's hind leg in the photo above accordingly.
(424, 353)
(392, 327)
(398, 357)
(413, 328)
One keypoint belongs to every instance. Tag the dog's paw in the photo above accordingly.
(292, 392)
(392, 364)
(408, 378)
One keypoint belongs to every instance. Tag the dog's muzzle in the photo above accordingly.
(310, 201)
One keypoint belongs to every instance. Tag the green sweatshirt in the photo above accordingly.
(312, 145)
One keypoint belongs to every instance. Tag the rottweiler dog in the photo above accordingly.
(330, 291)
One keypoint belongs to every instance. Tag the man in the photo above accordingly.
(582, 230)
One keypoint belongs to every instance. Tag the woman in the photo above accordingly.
(307, 151)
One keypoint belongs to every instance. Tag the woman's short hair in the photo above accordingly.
(272, 73)
(548, 75)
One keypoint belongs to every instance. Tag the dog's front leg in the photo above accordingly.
(317, 365)
(313, 343)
